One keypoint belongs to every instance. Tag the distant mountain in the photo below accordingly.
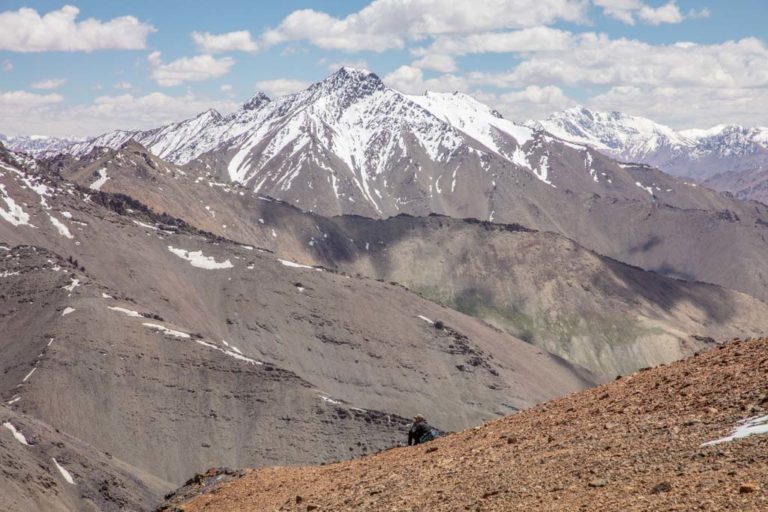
(351, 145)
(747, 185)
(696, 154)
(456, 263)
(40, 145)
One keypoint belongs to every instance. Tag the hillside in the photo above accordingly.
(644, 442)
(597, 312)
(747, 185)
(350, 145)
(154, 348)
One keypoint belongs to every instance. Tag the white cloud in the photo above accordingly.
(535, 39)
(437, 62)
(52, 83)
(385, 24)
(688, 107)
(281, 86)
(336, 65)
(26, 30)
(21, 102)
(533, 102)
(229, 42)
(410, 79)
(104, 114)
(226, 89)
(630, 11)
(7, 66)
(188, 69)
(595, 59)
(124, 86)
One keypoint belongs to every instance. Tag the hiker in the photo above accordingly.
(421, 431)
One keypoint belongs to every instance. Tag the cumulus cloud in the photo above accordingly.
(13, 103)
(533, 102)
(410, 79)
(188, 69)
(529, 40)
(50, 84)
(338, 64)
(630, 11)
(688, 107)
(437, 62)
(105, 113)
(386, 24)
(595, 59)
(281, 86)
(26, 30)
(239, 41)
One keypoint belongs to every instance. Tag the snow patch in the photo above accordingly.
(67, 311)
(749, 427)
(199, 260)
(426, 319)
(14, 214)
(60, 226)
(71, 286)
(145, 225)
(165, 330)
(96, 185)
(16, 433)
(26, 378)
(127, 312)
(329, 400)
(293, 264)
(64, 473)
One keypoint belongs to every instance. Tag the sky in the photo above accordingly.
(87, 67)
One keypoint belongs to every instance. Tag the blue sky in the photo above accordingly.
(87, 67)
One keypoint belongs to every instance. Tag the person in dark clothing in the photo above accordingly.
(421, 431)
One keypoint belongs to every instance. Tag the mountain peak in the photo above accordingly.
(358, 82)
(257, 101)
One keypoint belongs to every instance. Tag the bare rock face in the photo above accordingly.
(665, 451)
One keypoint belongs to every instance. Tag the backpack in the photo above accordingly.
(433, 433)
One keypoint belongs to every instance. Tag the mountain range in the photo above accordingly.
(697, 154)
(288, 283)
(694, 154)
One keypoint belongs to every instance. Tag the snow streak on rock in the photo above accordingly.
(16, 433)
(199, 260)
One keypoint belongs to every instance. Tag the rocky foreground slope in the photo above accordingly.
(670, 438)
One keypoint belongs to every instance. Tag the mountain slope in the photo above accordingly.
(219, 353)
(350, 145)
(751, 185)
(641, 443)
(597, 312)
(696, 154)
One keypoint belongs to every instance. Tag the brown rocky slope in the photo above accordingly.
(634, 444)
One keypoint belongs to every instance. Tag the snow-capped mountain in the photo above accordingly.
(39, 145)
(698, 154)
